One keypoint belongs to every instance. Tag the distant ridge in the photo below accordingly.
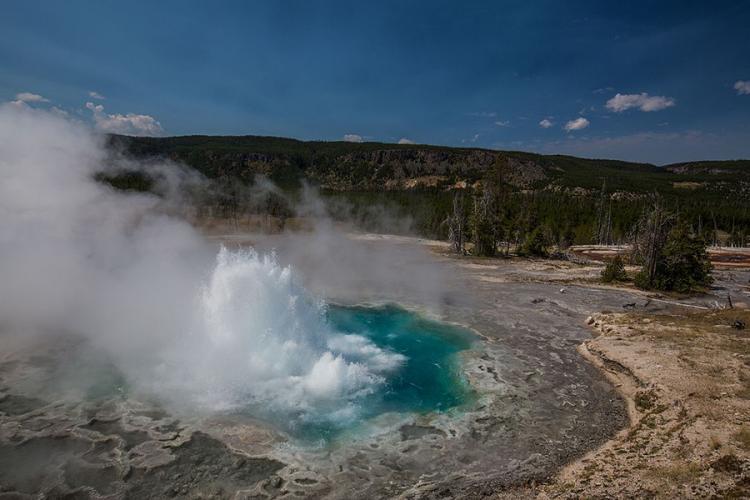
(374, 166)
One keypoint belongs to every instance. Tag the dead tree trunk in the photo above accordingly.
(650, 236)
(457, 223)
(603, 230)
(484, 225)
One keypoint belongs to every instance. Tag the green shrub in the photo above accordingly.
(682, 266)
(485, 241)
(641, 280)
(536, 244)
(614, 270)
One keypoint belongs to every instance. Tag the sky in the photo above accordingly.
(650, 81)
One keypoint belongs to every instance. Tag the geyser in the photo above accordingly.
(203, 328)
(262, 341)
(265, 347)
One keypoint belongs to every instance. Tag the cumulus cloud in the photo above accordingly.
(404, 140)
(642, 101)
(503, 123)
(579, 123)
(96, 95)
(29, 97)
(742, 87)
(129, 124)
(353, 138)
(546, 123)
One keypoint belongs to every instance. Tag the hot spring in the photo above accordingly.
(262, 346)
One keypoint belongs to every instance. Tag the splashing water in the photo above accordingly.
(264, 347)
(263, 343)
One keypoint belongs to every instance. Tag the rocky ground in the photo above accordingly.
(540, 403)
(686, 379)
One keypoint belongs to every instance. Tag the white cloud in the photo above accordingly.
(642, 101)
(505, 123)
(742, 87)
(29, 97)
(129, 124)
(95, 95)
(546, 123)
(352, 138)
(404, 140)
(579, 123)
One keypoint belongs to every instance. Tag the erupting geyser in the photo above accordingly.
(266, 347)
(264, 341)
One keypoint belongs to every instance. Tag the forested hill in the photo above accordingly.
(371, 166)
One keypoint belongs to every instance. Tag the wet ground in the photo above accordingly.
(540, 404)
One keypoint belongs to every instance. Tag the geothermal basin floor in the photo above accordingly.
(539, 404)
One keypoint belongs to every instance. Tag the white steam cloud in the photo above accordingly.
(73, 254)
(182, 320)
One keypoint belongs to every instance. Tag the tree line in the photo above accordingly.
(671, 251)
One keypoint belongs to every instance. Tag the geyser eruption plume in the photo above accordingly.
(273, 336)
(220, 331)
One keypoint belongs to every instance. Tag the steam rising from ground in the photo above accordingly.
(215, 328)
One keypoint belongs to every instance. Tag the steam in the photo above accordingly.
(76, 256)
(182, 318)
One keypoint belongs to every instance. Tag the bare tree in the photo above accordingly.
(457, 223)
(716, 231)
(603, 231)
(650, 236)
(484, 224)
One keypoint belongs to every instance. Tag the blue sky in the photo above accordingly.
(483, 74)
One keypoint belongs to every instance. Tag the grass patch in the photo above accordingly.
(744, 393)
(728, 463)
(743, 437)
(645, 400)
(678, 473)
(714, 442)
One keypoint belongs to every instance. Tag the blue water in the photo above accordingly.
(429, 381)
